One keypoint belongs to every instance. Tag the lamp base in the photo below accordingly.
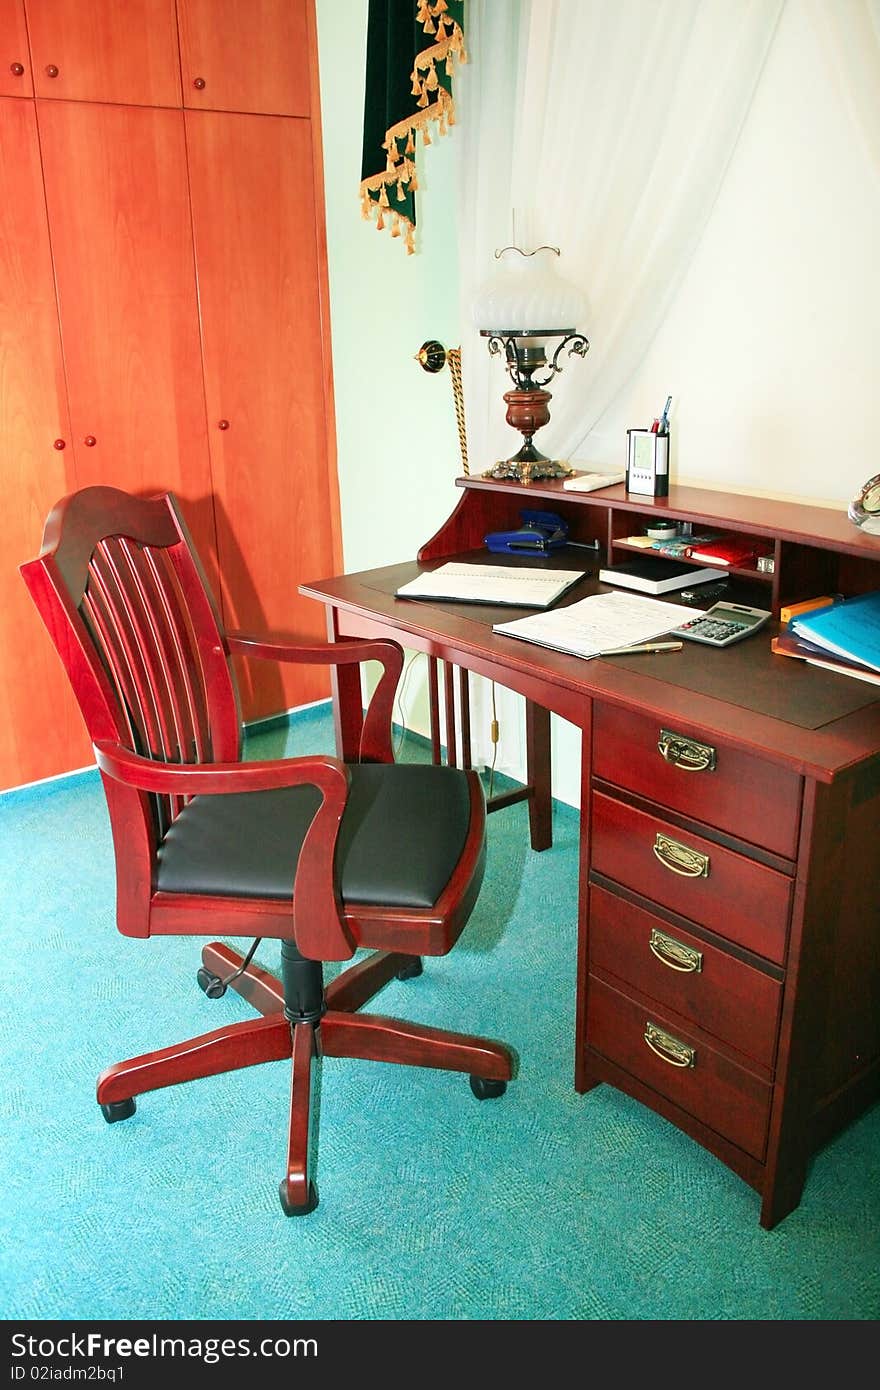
(527, 411)
(533, 470)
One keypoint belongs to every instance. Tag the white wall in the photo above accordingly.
(770, 350)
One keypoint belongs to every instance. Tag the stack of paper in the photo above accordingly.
(789, 643)
(848, 629)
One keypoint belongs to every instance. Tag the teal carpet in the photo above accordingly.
(541, 1205)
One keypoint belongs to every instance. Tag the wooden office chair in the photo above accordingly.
(326, 856)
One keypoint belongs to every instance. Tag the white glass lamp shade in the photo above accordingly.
(527, 297)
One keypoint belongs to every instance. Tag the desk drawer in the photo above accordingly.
(722, 1095)
(732, 895)
(721, 995)
(742, 794)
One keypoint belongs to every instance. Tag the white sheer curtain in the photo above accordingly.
(850, 30)
(606, 129)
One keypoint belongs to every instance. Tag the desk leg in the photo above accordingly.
(538, 775)
(583, 1078)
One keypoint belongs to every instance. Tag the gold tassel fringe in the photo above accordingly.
(435, 105)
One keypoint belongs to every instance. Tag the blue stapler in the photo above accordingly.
(539, 533)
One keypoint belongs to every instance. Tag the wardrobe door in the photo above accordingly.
(40, 728)
(109, 50)
(245, 57)
(122, 244)
(254, 220)
(15, 62)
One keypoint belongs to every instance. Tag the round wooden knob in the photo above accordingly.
(199, 83)
(51, 70)
(17, 69)
(59, 444)
(90, 441)
(223, 424)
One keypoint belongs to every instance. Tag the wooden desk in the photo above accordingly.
(729, 903)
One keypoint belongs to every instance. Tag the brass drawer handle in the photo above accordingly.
(674, 953)
(681, 860)
(668, 1048)
(686, 753)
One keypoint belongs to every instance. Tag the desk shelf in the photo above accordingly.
(816, 550)
(752, 576)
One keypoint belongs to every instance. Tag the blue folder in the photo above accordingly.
(849, 628)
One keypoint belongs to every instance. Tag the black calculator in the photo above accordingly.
(722, 624)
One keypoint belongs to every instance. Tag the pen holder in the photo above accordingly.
(647, 463)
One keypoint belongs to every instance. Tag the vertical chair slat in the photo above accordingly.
(192, 710)
(148, 622)
(99, 628)
(126, 648)
(449, 706)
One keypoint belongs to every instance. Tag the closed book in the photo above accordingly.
(654, 575)
(850, 628)
(726, 552)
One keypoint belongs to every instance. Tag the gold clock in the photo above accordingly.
(864, 509)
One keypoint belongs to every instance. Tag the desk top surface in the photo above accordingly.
(815, 721)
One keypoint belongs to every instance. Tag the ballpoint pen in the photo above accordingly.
(644, 647)
(664, 418)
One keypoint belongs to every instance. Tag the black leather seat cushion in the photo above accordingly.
(246, 844)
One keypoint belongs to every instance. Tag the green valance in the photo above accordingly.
(412, 48)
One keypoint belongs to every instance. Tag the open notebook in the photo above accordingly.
(516, 585)
(601, 623)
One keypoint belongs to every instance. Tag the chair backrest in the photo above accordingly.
(122, 593)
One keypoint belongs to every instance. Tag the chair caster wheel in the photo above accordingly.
(412, 968)
(211, 984)
(484, 1089)
(118, 1110)
(308, 1206)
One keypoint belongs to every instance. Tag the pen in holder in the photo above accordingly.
(647, 462)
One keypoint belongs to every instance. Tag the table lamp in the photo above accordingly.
(524, 305)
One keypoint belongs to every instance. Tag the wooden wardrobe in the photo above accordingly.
(164, 315)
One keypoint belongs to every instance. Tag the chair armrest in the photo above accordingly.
(318, 924)
(375, 743)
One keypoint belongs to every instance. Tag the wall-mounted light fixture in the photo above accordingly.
(433, 357)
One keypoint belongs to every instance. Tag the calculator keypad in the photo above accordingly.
(721, 625)
(711, 628)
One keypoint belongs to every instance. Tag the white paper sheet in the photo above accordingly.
(603, 622)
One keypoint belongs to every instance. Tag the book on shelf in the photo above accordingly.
(598, 625)
(790, 644)
(681, 547)
(849, 628)
(726, 551)
(519, 586)
(655, 575)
